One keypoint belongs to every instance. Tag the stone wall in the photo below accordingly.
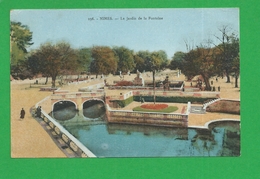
(148, 118)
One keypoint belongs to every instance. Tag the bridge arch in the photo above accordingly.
(76, 106)
(92, 99)
(93, 108)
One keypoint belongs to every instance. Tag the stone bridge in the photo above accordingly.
(78, 98)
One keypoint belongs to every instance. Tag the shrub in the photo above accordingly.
(173, 99)
(123, 103)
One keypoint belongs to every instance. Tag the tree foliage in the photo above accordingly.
(208, 61)
(164, 59)
(139, 63)
(228, 51)
(177, 59)
(151, 61)
(199, 61)
(20, 35)
(20, 40)
(104, 60)
(125, 59)
(53, 60)
(83, 59)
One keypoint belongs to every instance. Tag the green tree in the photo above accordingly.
(177, 60)
(53, 60)
(164, 59)
(84, 58)
(236, 69)
(200, 61)
(20, 40)
(34, 63)
(141, 59)
(20, 35)
(104, 60)
(125, 59)
(153, 62)
(139, 63)
(17, 61)
(229, 49)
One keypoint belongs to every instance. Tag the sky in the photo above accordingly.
(136, 29)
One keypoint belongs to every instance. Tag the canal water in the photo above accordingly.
(119, 140)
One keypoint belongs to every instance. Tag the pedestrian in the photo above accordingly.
(22, 114)
(39, 110)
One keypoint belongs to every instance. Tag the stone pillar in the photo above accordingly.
(79, 101)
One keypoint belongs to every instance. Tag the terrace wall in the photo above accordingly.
(148, 118)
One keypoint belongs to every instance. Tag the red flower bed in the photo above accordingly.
(154, 106)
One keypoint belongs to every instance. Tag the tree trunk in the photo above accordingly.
(61, 79)
(228, 79)
(154, 86)
(206, 80)
(53, 81)
(236, 81)
(46, 80)
(208, 87)
(227, 75)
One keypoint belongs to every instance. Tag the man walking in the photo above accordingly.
(22, 114)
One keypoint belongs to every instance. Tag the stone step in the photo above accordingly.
(197, 110)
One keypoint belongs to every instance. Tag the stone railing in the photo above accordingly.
(121, 96)
(177, 93)
(205, 105)
(111, 87)
(148, 118)
(77, 95)
(61, 132)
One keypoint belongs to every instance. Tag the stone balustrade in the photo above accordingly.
(76, 146)
(148, 118)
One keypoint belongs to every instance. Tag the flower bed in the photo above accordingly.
(160, 108)
(154, 106)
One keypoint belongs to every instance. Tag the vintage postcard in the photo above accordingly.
(125, 83)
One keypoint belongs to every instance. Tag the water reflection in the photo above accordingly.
(93, 109)
(179, 133)
(117, 140)
(64, 110)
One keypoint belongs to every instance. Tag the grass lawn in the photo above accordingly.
(169, 109)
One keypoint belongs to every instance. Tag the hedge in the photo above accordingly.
(173, 99)
(123, 103)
